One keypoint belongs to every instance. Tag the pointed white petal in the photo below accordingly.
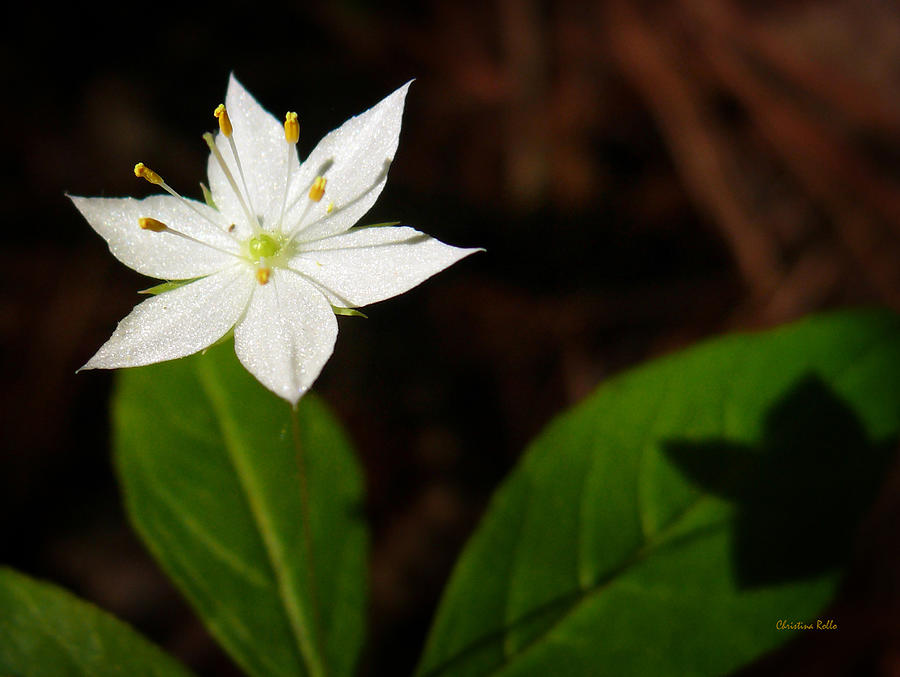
(259, 138)
(373, 264)
(354, 159)
(161, 255)
(179, 322)
(287, 334)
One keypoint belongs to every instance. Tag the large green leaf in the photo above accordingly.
(210, 465)
(667, 523)
(45, 631)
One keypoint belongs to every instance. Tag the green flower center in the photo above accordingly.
(263, 246)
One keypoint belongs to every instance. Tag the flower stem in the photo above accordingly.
(307, 530)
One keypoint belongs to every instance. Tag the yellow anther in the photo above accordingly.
(146, 223)
(329, 208)
(291, 128)
(224, 121)
(317, 190)
(262, 275)
(144, 172)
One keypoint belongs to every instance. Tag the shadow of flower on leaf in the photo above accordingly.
(801, 492)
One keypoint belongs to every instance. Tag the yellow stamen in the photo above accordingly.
(146, 223)
(291, 128)
(142, 171)
(329, 208)
(262, 275)
(291, 136)
(224, 121)
(317, 190)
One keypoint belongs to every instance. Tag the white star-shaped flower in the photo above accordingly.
(276, 257)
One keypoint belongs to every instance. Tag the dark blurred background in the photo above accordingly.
(642, 175)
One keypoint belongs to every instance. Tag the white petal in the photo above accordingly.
(287, 334)
(259, 138)
(179, 322)
(373, 264)
(162, 255)
(354, 159)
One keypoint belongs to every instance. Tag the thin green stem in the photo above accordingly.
(307, 530)
(286, 574)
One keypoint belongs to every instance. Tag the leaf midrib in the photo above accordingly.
(304, 644)
(26, 596)
(660, 540)
(637, 556)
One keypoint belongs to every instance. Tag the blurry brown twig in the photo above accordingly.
(695, 140)
(861, 202)
(682, 56)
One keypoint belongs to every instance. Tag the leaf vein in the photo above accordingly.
(303, 643)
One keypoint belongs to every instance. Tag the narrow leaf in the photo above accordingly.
(207, 196)
(45, 631)
(348, 312)
(166, 286)
(215, 471)
(667, 523)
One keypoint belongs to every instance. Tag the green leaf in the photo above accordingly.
(45, 631)
(348, 312)
(167, 286)
(210, 467)
(207, 196)
(668, 522)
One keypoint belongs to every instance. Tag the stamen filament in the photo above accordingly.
(316, 191)
(302, 216)
(227, 130)
(210, 141)
(330, 209)
(155, 226)
(144, 172)
(237, 161)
